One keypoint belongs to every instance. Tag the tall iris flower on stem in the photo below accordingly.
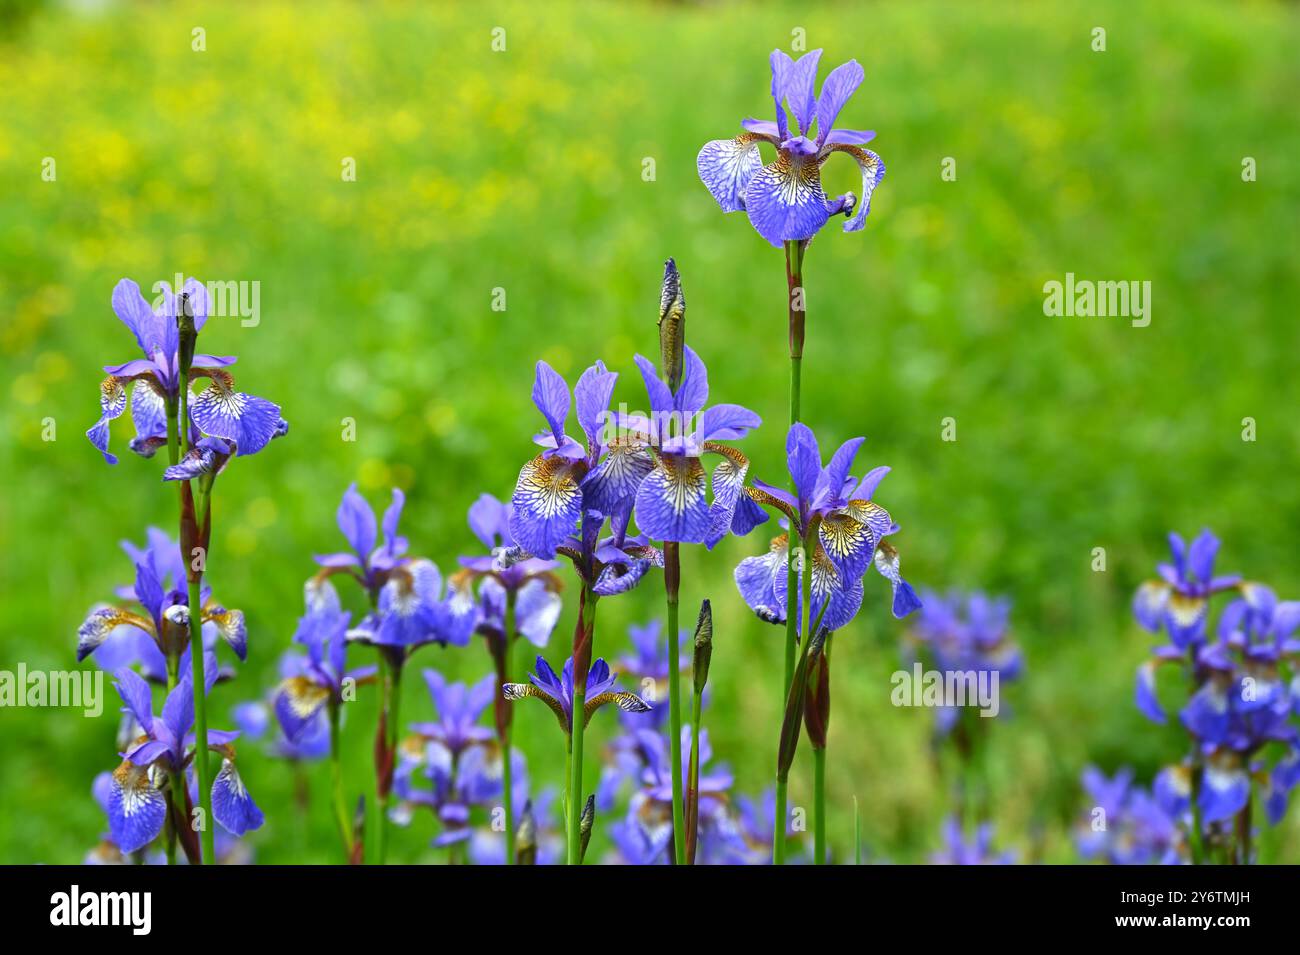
(671, 501)
(785, 201)
(322, 683)
(815, 584)
(561, 503)
(1240, 707)
(165, 750)
(562, 694)
(410, 608)
(522, 599)
(201, 433)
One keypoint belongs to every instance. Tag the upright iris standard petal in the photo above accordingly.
(671, 504)
(1145, 693)
(840, 84)
(551, 396)
(726, 167)
(547, 503)
(592, 394)
(800, 80)
(356, 519)
(130, 306)
(803, 458)
(232, 806)
(873, 170)
(785, 200)
(136, 808)
(250, 422)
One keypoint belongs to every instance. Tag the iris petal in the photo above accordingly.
(873, 170)
(726, 167)
(136, 808)
(785, 200)
(250, 422)
(670, 503)
(112, 402)
(232, 806)
(546, 503)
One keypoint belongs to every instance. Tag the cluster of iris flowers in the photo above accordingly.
(1240, 710)
(597, 513)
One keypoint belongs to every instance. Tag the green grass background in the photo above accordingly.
(523, 170)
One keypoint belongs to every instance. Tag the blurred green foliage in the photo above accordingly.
(523, 170)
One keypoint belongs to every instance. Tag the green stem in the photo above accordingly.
(796, 315)
(336, 778)
(672, 585)
(580, 668)
(508, 634)
(392, 730)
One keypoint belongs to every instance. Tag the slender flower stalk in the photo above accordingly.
(583, 640)
(701, 658)
(817, 712)
(336, 783)
(506, 733)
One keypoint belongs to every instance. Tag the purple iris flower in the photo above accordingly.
(851, 532)
(557, 691)
(413, 607)
(671, 499)
(369, 561)
(459, 709)
(159, 629)
(958, 850)
(245, 421)
(531, 580)
(137, 808)
(254, 719)
(1179, 600)
(1241, 701)
(785, 199)
(458, 785)
(324, 678)
(1127, 825)
(966, 632)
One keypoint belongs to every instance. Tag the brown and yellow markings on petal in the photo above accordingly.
(1186, 609)
(522, 691)
(684, 481)
(627, 702)
(767, 500)
(136, 785)
(550, 484)
(305, 695)
(221, 379)
(112, 394)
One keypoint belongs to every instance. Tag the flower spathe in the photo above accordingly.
(784, 199)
